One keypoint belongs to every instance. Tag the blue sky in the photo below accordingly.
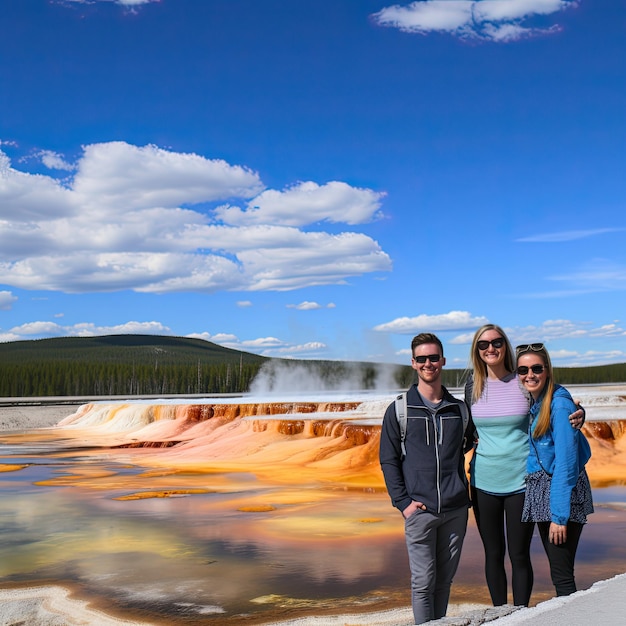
(316, 178)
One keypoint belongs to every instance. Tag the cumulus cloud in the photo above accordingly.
(454, 320)
(128, 4)
(54, 160)
(310, 306)
(264, 346)
(37, 330)
(553, 330)
(307, 203)
(153, 220)
(308, 348)
(6, 300)
(25, 198)
(495, 20)
(588, 358)
(117, 176)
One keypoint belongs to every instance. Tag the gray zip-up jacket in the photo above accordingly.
(433, 470)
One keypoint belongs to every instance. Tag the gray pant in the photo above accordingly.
(434, 543)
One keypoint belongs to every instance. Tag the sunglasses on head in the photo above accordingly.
(433, 358)
(498, 342)
(522, 370)
(529, 347)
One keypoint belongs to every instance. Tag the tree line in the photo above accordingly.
(155, 365)
(87, 378)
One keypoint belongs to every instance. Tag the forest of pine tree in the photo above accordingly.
(160, 365)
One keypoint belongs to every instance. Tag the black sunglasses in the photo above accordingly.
(522, 370)
(496, 343)
(529, 347)
(433, 358)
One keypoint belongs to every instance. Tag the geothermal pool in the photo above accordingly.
(250, 510)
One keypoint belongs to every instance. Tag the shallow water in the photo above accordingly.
(233, 540)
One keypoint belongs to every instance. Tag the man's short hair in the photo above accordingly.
(422, 338)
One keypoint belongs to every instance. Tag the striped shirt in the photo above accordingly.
(501, 419)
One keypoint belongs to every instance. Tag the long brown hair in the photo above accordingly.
(543, 420)
(480, 367)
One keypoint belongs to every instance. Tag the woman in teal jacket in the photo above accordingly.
(558, 494)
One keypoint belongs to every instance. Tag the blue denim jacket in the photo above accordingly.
(562, 451)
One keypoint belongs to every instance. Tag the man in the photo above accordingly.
(428, 483)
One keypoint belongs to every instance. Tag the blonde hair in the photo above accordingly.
(543, 420)
(480, 367)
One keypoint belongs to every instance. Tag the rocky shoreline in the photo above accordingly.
(27, 417)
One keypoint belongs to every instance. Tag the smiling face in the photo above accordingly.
(532, 372)
(490, 354)
(428, 371)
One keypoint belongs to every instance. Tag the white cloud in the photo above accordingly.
(27, 197)
(310, 306)
(324, 260)
(495, 20)
(429, 15)
(305, 306)
(262, 342)
(454, 320)
(129, 4)
(499, 10)
(307, 203)
(6, 300)
(596, 275)
(143, 218)
(117, 176)
(244, 303)
(608, 330)
(311, 346)
(586, 359)
(551, 331)
(264, 346)
(225, 339)
(569, 235)
(37, 330)
(54, 161)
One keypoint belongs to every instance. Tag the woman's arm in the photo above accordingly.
(565, 472)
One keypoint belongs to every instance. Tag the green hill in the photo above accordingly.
(123, 364)
(145, 349)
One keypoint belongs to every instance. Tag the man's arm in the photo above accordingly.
(390, 455)
(577, 418)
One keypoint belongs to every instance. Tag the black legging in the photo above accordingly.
(490, 512)
(562, 557)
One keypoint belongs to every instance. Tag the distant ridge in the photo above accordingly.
(124, 349)
(123, 364)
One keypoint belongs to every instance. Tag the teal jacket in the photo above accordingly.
(562, 451)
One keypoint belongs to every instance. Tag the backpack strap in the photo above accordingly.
(464, 415)
(401, 417)
(469, 390)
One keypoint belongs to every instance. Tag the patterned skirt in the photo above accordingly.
(537, 499)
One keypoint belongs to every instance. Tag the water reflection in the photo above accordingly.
(177, 545)
(180, 557)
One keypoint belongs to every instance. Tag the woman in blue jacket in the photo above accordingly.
(558, 494)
